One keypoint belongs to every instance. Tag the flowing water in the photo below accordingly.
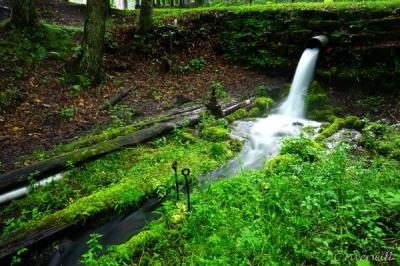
(262, 139)
(294, 104)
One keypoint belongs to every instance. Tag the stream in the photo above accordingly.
(262, 139)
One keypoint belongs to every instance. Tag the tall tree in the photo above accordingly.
(23, 13)
(89, 61)
(146, 17)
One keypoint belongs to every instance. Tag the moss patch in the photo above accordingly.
(317, 104)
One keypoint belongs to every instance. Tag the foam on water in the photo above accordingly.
(265, 135)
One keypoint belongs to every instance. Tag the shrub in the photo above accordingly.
(197, 63)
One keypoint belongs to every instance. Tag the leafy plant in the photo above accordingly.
(10, 96)
(84, 81)
(121, 114)
(67, 113)
(16, 259)
(90, 258)
(197, 63)
(219, 90)
(75, 90)
(19, 72)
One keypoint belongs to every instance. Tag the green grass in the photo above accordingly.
(345, 5)
(325, 211)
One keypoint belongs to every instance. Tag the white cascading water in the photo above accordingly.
(264, 136)
(294, 104)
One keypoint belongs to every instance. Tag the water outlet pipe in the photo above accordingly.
(319, 41)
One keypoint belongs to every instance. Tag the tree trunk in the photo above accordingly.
(181, 3)
(23, 13)
(137, 4)
(90, 59)
(146, 17)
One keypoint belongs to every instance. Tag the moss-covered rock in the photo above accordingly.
(306, 149)
(280, 163)
(317, 104)
(238, 114)
(215, 133)
(235, 145)
(221, 149)
(255, 112)
(263, 103)
(351, 122)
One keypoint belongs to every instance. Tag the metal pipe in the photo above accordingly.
(17, 193)
(319, 41)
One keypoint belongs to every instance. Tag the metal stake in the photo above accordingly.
(186, 173)
(175, 167)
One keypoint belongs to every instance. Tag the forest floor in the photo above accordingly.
(46, 111)
(42, 118)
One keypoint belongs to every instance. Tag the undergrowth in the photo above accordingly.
(336, 208)
(117, 181)
(37, 44)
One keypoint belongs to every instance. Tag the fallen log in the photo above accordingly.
(116, 98)
(39, 170)
(11, 243)
(90, 140)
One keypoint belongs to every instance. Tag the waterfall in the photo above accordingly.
(294, 104)
(265, 134)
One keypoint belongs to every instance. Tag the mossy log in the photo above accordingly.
(39, 170)
(12, 243)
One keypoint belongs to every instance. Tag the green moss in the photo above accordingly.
(304, 148)
(317, 104)
(235, 145)
(215, 133)
(284, 92)
(257, 218)
(264, 104)
(280, 163)
(255, 112)
(262, 91)
(381, 138)
(238, 114)
(352, 122)
(133, 175)
(188, 137)
(221, 149)
(116, 255)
